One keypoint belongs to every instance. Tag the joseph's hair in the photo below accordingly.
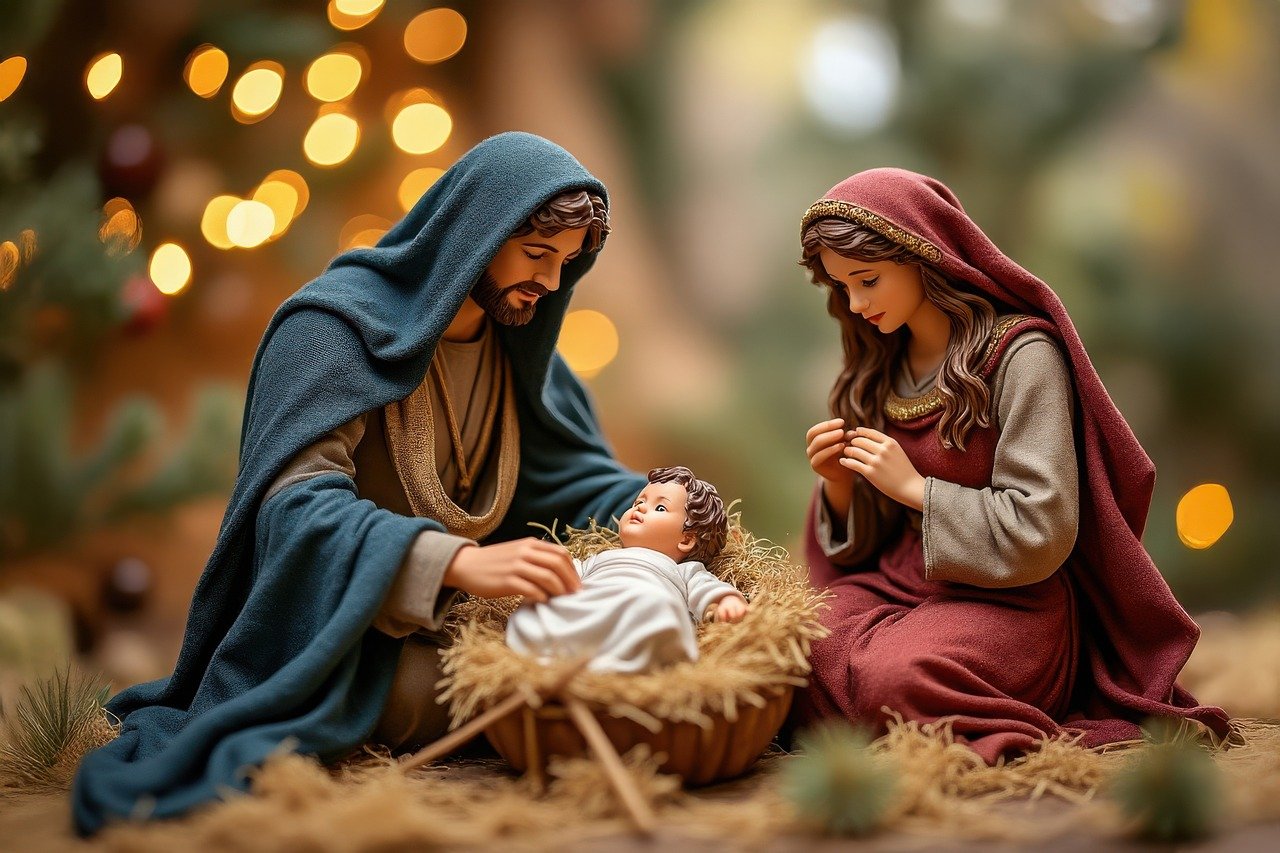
(704, 511)
(571, 209)
(870, 358)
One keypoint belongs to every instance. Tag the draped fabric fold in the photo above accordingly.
(278, 650)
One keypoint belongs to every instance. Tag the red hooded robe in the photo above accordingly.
(1131, 636)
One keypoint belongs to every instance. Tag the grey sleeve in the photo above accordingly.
(1022, 528)
(861, 534)
(705, 589)
(417, 600)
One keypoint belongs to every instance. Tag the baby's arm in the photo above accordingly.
(705, 590)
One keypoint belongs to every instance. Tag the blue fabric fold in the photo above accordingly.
(278, 651)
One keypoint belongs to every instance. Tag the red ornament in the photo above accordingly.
(131, 162)
(145, 306)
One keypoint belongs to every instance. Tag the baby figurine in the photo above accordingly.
(638, 603)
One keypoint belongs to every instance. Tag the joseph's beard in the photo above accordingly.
(494, 299)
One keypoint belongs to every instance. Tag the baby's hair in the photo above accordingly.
(704, 511)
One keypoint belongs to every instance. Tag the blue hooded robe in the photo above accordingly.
(278, 646)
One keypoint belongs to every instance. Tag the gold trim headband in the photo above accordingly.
(874, 221)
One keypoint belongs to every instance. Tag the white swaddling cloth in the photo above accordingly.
(636, 610)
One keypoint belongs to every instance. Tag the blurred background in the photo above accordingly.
(171, 170)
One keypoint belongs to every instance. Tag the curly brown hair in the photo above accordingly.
(860, 391)
(571, 209)
(703, 508)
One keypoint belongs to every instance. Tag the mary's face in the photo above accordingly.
(886, 294)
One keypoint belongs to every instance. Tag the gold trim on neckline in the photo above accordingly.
(902, 409)
(874, 221)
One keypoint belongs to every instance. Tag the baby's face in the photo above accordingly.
(656, 520)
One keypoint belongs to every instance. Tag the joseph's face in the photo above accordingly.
(525, 269)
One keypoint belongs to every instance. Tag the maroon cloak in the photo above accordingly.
(1106, 625)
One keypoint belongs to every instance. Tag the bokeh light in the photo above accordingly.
(282, 198)
(421, 128)
(170, 268)
(334, 76)
(588, 342)
(331, 139)
(12, 70)
(27, 244)
(415, 184)
(299, 185)
(213, 225)
(250, 223)
(1203, 515)
(435, 35)
(121, 229)
(257, 91)
(362, 231)
(342, 18)
(356, 8)
(206, 70)
(103, 75)
(851, 73)
(10, 259)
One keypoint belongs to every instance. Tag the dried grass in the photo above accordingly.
(1236, 664)
(54, 722)
(739, 664)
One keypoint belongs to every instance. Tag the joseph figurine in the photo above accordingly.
(407, 418)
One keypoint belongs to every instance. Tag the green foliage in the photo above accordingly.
(836, 783)
(65, 295)
(49, 493)
(52, 725)
(58, 309)
(1173, 790)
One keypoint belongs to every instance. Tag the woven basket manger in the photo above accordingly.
(707, 720)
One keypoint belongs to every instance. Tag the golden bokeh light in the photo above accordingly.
(405, 98)
(103, 75)
(206, 70)
(10, 260)
(331, 139)
(257, 92)
(250, 223)
(299, 185)
(12, 70)
(435, 35)
(1203, 515)
(356, 8)
(421, 128)
(282, 198)
(27, 243)
(333, 76)
(342, 19)
(415, 184)
(170, 268)
(213, 224)
(362, 231)
(588, 342)
(121, 229)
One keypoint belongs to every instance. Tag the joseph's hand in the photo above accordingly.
(530, 567)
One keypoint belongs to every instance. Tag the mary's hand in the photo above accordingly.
(885, 465)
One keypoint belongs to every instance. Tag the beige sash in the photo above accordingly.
(411, 440)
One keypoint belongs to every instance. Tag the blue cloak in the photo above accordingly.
(278, 649)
